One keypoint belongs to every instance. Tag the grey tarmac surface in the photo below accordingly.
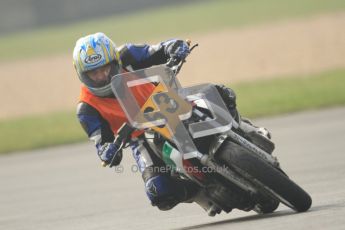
(66, 188)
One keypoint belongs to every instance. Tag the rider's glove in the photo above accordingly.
(107, 152)
(178, 49)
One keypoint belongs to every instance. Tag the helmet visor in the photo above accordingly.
(101, 76)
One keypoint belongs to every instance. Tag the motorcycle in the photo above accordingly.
(192, 131)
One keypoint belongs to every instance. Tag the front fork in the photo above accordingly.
(242, 182)
(253, 149)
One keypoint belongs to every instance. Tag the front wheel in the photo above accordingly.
(264, 176)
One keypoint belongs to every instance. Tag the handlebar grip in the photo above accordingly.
(123, 133)
(172, 62)
(118, 141)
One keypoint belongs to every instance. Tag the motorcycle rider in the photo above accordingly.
(96, 59)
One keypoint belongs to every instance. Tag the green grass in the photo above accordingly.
(271, 97)
(39, 131)
(255, 99)
(162, 23)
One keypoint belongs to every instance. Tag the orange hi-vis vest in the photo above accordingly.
(110, 109)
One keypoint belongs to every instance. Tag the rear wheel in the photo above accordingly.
(263, 175)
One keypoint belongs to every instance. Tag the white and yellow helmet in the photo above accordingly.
(91, 52)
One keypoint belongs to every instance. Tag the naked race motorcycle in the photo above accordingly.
(191, 130)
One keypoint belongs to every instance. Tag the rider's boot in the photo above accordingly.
(247, 126)
(258, 135)
(171, 192)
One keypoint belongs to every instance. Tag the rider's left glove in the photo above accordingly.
(178, 49)
(107, 152)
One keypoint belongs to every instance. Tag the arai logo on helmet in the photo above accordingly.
(94, 58)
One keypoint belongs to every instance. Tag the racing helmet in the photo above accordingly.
(92, 52)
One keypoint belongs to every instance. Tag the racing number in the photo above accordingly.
(165, 110)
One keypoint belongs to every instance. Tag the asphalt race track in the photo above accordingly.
(66, 188)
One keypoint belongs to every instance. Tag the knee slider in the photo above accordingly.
(161, 192)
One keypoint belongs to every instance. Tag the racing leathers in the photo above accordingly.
(101, 117)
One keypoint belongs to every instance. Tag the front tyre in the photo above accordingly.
(264, 176)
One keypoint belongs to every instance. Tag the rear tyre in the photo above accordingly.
(264, 176)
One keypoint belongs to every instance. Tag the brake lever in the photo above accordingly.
(179, 63)
(172, 62)
(123, 134)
